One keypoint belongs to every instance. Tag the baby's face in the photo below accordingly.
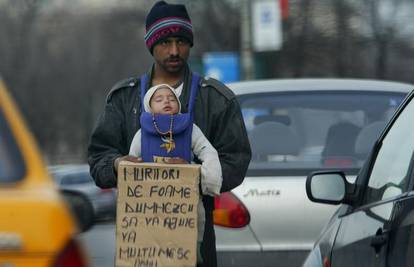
(163, 101)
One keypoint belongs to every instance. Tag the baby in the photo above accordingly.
(162, 99)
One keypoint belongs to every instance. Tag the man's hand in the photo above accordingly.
(127, 158)
(175, 160)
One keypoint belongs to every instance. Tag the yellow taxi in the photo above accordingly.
(37, 228)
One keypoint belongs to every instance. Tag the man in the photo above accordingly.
(169, 38)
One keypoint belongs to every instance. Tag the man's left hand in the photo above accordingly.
(175, 160)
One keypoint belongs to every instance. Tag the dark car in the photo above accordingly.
(374, 225)
(76, 178)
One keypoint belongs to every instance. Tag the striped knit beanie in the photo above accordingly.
(167, 20)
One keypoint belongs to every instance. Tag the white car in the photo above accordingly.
(295, 127)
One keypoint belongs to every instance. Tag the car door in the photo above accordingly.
(371, 230)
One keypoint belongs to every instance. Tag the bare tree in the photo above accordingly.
(18, 19)
(61, 60)
(342, 34)
(300, 55)
(380, 17)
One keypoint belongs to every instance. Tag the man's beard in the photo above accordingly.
(173, 64)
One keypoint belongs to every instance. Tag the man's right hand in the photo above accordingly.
(127, 158)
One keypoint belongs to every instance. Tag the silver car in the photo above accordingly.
(295, 127)
(76, 177)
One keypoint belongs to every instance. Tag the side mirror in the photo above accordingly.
(326, 187)
(81, 209)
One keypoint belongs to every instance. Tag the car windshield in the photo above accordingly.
(293, 133)
(12, 167)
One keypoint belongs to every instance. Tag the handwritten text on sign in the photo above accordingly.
(156, 223)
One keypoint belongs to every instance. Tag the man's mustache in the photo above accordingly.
(173, 58)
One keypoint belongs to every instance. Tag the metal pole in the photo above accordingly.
(246, 41)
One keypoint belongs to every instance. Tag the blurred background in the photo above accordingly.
(59, 58)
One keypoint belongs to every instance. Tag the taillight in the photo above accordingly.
(229, 211)
(72, 256)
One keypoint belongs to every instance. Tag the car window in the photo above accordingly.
(301, 131)
(12, 167)
(390, 172)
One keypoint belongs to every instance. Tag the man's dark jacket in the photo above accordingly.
(218, 115)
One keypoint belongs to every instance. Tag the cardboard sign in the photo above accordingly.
(156, 222)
